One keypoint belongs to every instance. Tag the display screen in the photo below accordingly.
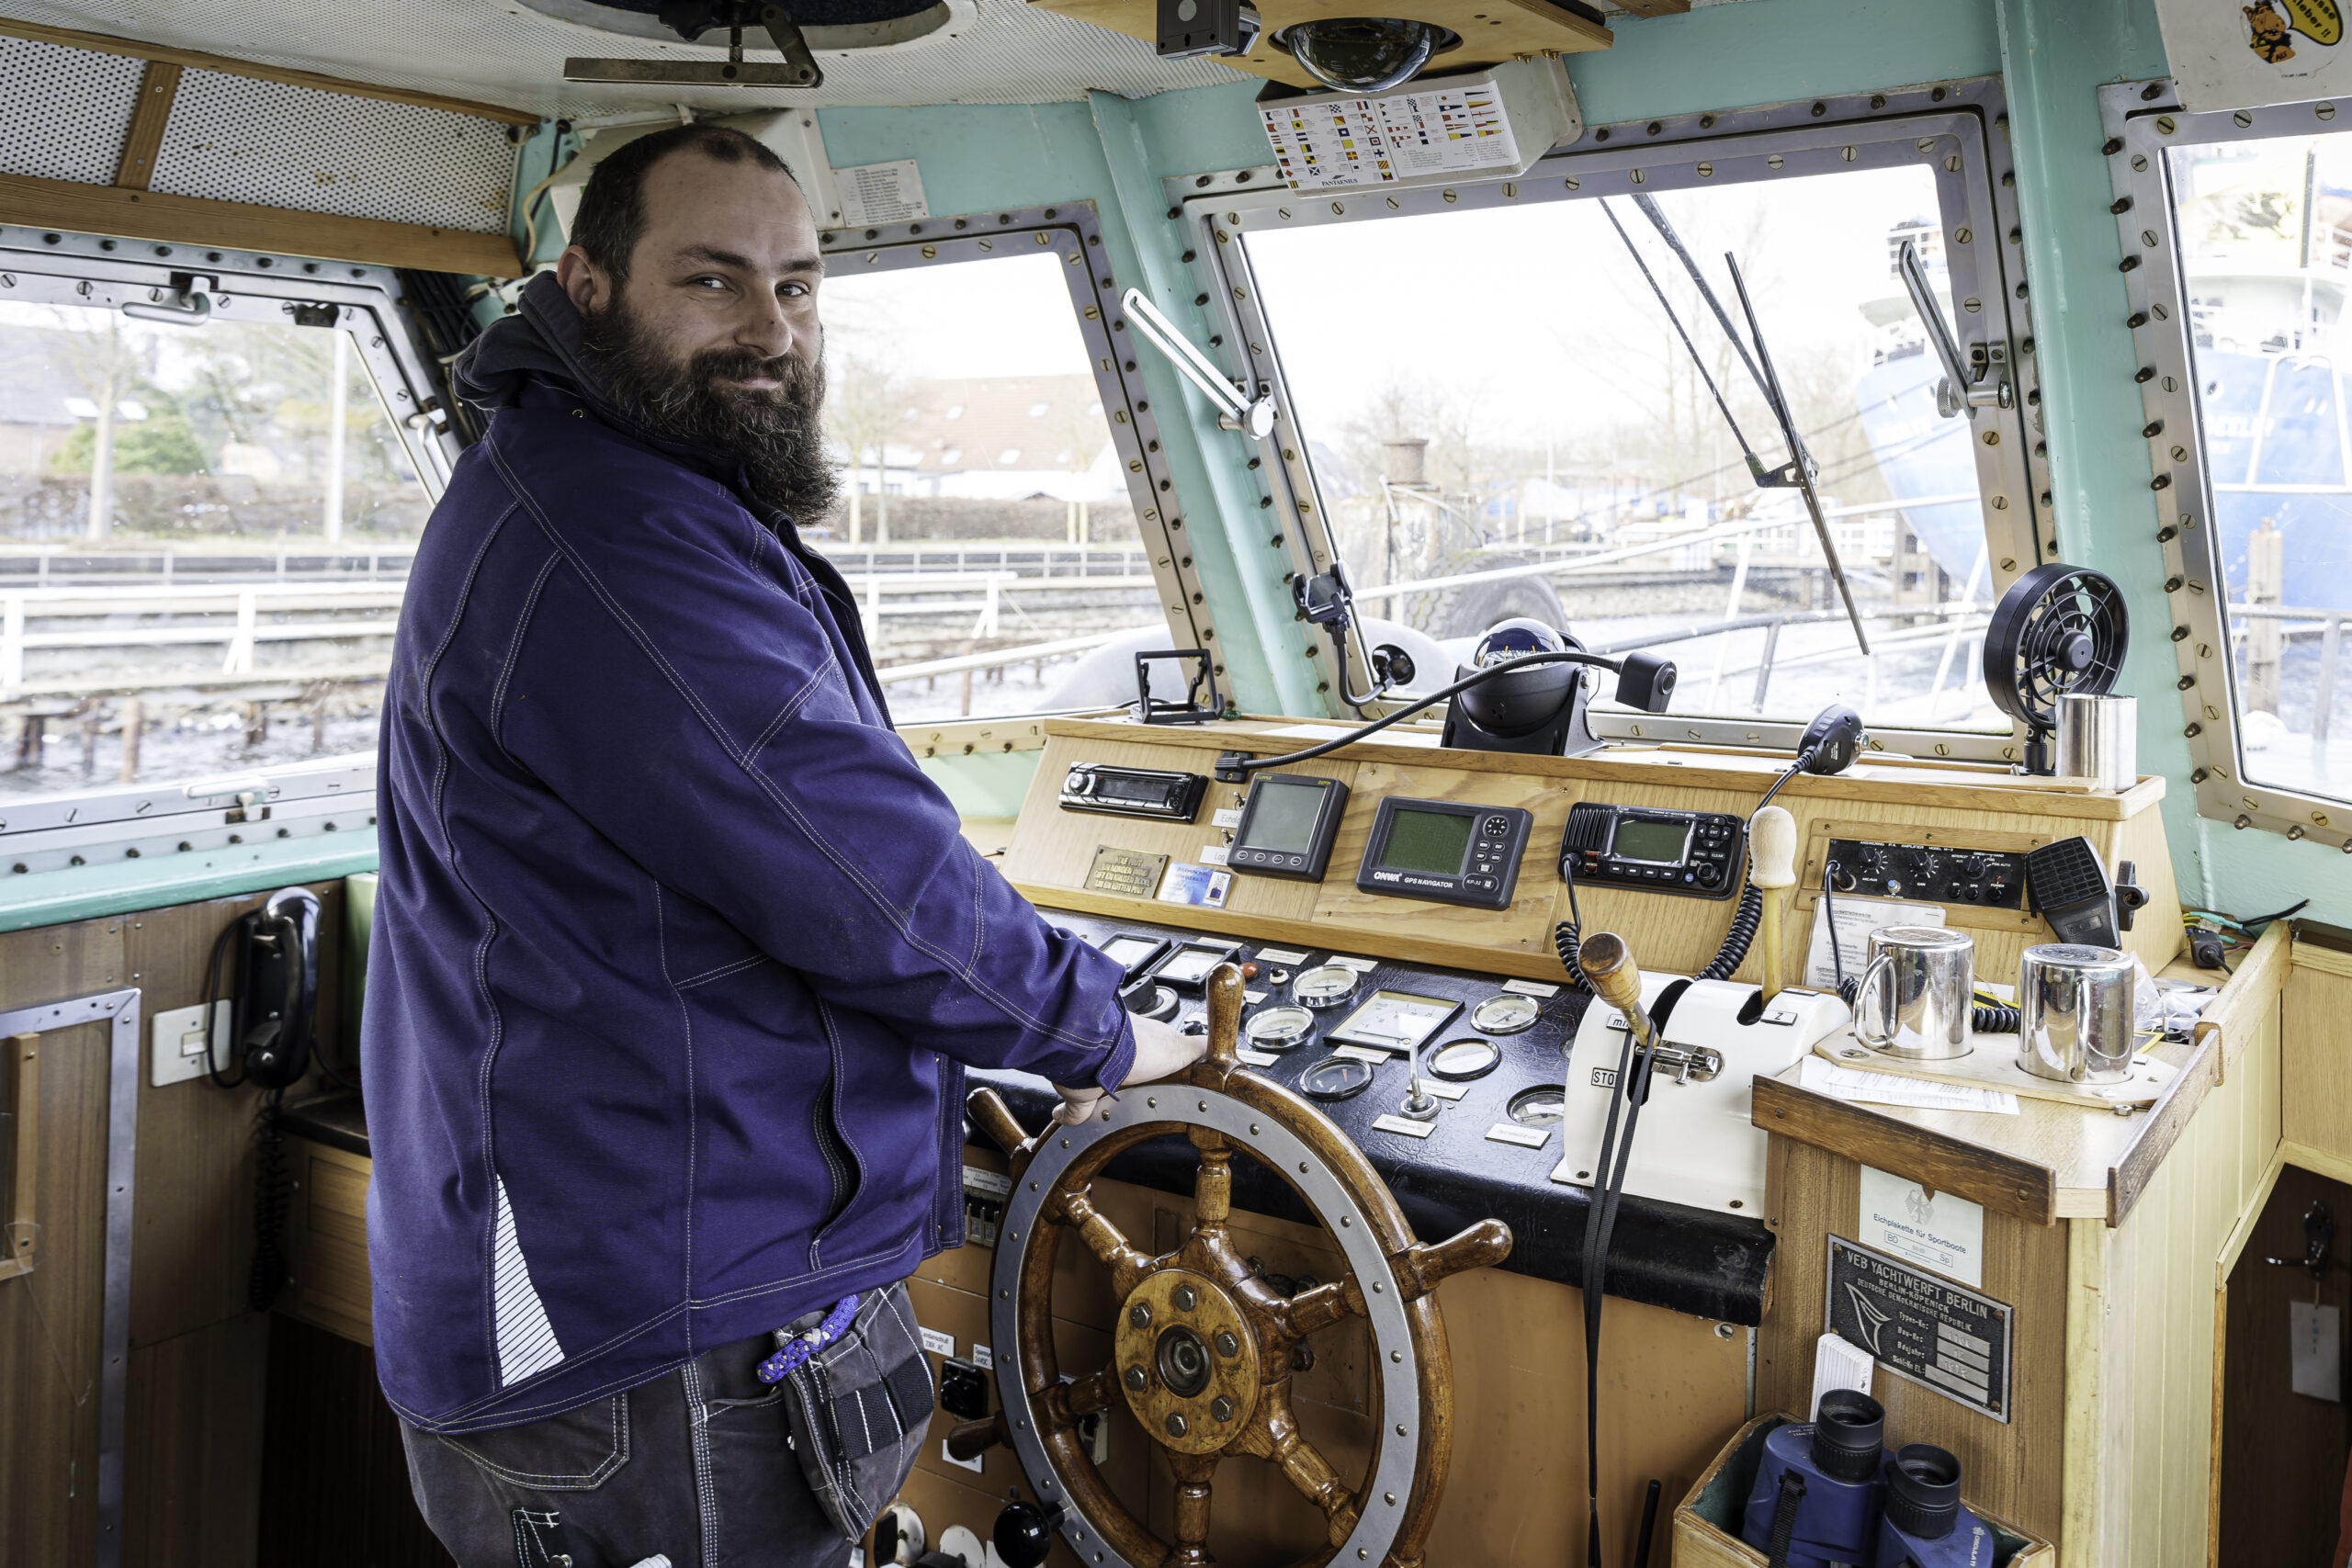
(1120, 786)
(1189, 966)
(1131, 950)
(1425, 841)
(1660, 841)
(1283, 814)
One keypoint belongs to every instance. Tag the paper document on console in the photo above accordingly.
(1885, 1089)
(1857, 918)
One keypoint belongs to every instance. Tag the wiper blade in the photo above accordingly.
(1798, 474)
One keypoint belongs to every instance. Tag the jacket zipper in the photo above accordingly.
(828, 1141)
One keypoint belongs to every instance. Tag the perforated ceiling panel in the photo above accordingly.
(235, 138)
(504, 54)
(64, 111)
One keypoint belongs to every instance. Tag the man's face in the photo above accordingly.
(714, 336)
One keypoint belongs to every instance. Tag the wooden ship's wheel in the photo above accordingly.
(1202, 1346)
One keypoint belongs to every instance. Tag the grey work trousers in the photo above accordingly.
(696, 1465)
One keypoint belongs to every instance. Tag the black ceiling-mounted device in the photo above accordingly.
(1189, 28)
(691, 18)
(1541, 710)
(2059, 631)
(1195, 708)
(1365, 54)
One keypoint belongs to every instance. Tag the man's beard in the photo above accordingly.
(776, 432)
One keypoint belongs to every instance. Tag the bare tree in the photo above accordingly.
(108, 365)
(862, 402)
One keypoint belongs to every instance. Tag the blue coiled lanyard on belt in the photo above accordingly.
(797, 1350)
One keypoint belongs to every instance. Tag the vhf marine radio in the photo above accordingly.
(1695, 854)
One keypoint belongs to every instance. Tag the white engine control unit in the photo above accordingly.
(1695, 1145)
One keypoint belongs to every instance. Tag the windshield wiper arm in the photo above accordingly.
(1800, 471)
(1798, 474)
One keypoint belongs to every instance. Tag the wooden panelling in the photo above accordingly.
(102, 43)
(36, 203)
(2141, 1316)
(2316, 1052)
(2012, 1469)
(49, 1317)
(1051, 849)
(2021, 1189)
(334, 1475)
(1675, 1388)
(1383, 923)
(326, 1236)
(194, 1221)
(194, 1466)
(157, 88)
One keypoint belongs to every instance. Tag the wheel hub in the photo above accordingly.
(1188, 1363)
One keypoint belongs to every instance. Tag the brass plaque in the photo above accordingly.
(1128, 872)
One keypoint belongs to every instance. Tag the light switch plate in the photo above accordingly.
(177, 1055)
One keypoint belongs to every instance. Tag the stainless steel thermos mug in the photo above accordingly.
(1917, 994)
(2075, 1014)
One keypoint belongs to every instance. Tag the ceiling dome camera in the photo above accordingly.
(1365, 54)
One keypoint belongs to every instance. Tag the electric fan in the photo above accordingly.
(2059, 630)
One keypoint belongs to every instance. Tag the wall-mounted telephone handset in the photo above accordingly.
(275, 1008)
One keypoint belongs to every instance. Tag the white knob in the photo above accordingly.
(1772, 849)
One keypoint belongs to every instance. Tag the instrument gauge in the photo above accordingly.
(1336, 1077)
(1507, 1013)
(1278, 1029)
(1539, 1107)
(1332, 985)
(1461, 1061)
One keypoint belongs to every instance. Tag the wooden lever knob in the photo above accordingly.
(973, 1438)
(1224, 1015)
(991, 1115)
(1772, 849)
(1609, 964)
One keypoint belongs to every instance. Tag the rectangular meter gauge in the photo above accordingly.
(1445, 850)
(1287, 826)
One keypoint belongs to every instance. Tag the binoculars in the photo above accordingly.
(1828, 1491)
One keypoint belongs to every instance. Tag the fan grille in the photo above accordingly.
(2059, 630)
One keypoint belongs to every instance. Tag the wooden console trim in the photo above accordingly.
(1935, 1160)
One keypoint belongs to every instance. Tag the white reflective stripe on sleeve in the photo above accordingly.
(526, 1343)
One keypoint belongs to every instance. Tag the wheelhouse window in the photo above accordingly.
(204, 531)
(1490, 389)
(986, 521)
(2263, 230)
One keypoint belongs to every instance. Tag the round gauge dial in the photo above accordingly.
(1336, 1077)
(1506, 1014)
(1158, 1002)
(1538, 1106)
(1333, 985)
(1459, 1061)
(1278, 1029)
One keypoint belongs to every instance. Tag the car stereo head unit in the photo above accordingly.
(1446, 851)
(1287, 826)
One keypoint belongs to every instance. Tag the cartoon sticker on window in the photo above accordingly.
(2272, 30)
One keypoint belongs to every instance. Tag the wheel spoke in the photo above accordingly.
(1309, 1311)
(1274, 1436)
(1192, 1473)
(1103, 1238)
(1070, 1403)
(1212, 1182)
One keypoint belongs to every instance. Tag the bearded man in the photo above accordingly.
(678, 957)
